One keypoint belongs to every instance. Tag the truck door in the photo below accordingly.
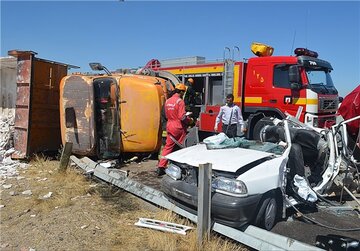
(285, 98)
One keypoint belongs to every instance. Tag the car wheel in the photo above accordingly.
(267, 215)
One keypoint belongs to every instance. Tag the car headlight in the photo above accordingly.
(229, 186)
(173, 171)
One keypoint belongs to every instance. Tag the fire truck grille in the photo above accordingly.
(329, 105)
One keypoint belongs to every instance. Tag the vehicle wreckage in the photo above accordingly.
(254, 182)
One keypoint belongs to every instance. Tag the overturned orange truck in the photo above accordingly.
(105, 115)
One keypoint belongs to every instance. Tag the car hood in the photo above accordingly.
(228, 160)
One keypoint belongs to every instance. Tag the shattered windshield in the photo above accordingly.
(320, 80)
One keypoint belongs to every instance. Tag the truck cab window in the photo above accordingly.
(281, 76)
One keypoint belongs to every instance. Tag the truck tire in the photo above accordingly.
(260, 125)
(267, 215)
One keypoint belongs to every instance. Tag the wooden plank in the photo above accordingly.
(65, 156)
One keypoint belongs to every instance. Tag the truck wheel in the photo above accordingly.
(268, 213)
(260, 125)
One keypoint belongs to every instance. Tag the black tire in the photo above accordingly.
(268, 213)
(260, 125)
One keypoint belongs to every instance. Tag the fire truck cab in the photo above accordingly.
(263, 86)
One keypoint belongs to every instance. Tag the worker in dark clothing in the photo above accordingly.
(192, 98)
(190, 95)
(231, 118)
(176, 125)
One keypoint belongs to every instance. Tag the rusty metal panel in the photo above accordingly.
(44, 115)
(76, 103)
(37, 125)
(22, 105)
(23, 94)
(24, 69)
(21, 118)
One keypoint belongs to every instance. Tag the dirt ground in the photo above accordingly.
(42, 209)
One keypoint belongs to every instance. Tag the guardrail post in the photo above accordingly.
(204, 203)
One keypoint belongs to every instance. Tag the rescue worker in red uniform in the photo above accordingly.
(176, 125)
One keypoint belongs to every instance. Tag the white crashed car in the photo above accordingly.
(249, 182)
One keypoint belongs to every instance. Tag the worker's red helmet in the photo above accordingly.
(191, 80)
(180, 87)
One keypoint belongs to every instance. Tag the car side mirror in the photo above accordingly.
(99, 67)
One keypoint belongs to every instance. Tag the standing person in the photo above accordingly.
(176, 125)
(189, 96)
(231, 118)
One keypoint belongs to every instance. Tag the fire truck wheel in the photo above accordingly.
(260, 125)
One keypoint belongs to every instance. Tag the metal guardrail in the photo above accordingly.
(252, 236)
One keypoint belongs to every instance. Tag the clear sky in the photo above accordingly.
(127, 34)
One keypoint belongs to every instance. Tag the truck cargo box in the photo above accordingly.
(37, 125)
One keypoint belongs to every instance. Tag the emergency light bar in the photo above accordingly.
(305, 52)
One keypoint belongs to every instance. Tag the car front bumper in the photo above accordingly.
(225, 209)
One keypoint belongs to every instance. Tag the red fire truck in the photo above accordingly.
(263, 86)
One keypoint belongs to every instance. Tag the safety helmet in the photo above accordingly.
(180, 87)
(191, 80)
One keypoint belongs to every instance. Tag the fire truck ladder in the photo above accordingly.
(228, 74)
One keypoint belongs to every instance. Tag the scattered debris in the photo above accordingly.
(13, 193)
(8, 167)
(163, 226)
(27, 192)
(7, 186)
(9, 152)
(84, 226)
(5, 245)
(75, 198)
(46, 196)
(131, 160)
(106, 164)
